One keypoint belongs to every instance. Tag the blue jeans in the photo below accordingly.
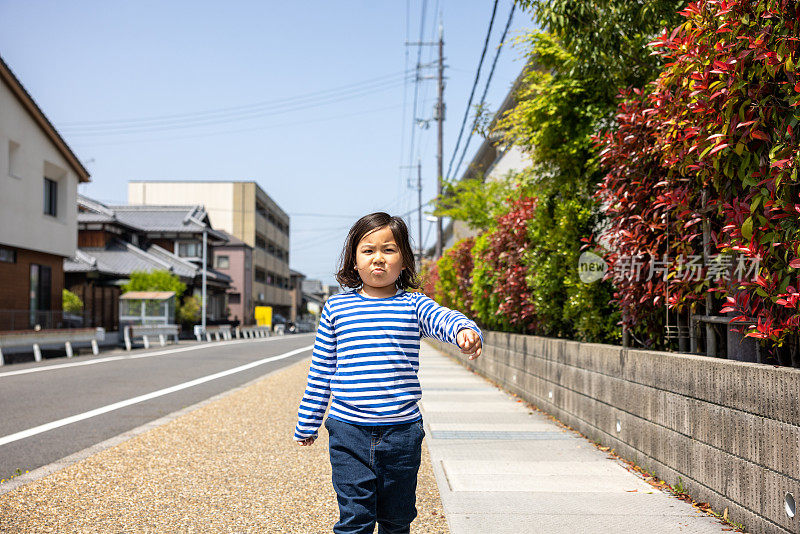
(375, 475)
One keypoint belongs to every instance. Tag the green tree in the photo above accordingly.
(189, 312)
(155, 281)
(71, 303)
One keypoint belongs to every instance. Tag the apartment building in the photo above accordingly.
(244, 210)
(39, 177)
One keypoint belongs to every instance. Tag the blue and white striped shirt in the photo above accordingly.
(366, 358)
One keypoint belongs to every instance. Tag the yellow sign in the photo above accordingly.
(263, 315)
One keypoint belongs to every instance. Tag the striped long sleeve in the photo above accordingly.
(318, 390)
(366, 357)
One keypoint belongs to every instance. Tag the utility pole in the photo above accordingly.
(440, 124)
(439, 116)
(205, 259)
(419, 209)
(418, 187)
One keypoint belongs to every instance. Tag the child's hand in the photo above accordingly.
(306, 442)
(469, 342)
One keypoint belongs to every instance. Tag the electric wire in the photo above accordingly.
(238, 109)
(299, 106)
(486, 88)
(474, 86)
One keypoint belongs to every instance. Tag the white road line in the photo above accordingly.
(141, 398)
(207, 345)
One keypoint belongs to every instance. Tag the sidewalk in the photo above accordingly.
(503, 469)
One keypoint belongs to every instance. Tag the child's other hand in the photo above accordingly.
(306, 442)
(469, 342)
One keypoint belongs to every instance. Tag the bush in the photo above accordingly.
(71, 303)
(454, 286)
(189, 312)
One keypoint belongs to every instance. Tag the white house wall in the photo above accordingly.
(23, 223)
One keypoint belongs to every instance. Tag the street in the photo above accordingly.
(131, 388)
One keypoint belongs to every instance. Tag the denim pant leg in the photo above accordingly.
(354, 479)
(397, 461)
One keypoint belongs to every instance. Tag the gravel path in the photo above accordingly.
(228, 466)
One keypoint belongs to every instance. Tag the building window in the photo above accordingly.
(261, 275)
(261, 242)
(13, 160)
(50, 197)
(223, 262)
(8, 255)
(41, 280)
(234, 298)
(190, 250)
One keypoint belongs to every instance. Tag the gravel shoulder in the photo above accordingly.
(229, 466)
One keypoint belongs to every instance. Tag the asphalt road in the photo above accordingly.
(36, 394)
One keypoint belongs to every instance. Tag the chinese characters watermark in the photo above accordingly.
(592, 267)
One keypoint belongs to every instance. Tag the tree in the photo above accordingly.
(155, 281)
(71, 303)
(712, 151)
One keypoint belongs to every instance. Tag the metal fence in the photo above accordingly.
(40, 320)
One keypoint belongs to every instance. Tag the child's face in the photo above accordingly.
(379, 261)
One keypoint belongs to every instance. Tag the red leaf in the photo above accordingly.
(718, 148)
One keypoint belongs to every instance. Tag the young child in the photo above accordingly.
(366, 357)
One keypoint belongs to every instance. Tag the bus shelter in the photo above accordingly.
(146, 307)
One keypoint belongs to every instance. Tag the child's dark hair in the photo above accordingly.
(348, 275)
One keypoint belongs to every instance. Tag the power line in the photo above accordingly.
(486, 88)
(151, 139)
(474, 86)
(244, 107)
(200, 122)
(417, 81)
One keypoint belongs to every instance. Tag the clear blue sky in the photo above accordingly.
(307, 99)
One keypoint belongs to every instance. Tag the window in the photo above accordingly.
(261, 242)
(261, 275)
(223, 262)
(234, 298)
(190, 250)
(13, 160)
(40, 291)
(50, 197)
(8, 255)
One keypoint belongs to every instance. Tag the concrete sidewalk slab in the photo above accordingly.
(504, 469)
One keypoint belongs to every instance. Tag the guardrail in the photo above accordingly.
(252, 332)
(145, 331)
(36, 338)
(222, 331)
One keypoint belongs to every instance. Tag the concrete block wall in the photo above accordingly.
(728, 430)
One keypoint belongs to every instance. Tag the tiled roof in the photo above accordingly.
(177, 264)
(233, 240)
(162, 218)
(118, 258)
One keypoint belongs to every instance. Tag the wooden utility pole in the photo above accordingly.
(439, 148)
(439, 116)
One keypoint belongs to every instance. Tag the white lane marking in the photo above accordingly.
(206, 345)
(141, 398)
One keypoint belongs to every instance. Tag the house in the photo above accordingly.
(39, 177)
(244, 210)
(115, 241)
(235, 259)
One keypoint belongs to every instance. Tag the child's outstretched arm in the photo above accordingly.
(318, 392)
(449, 326)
